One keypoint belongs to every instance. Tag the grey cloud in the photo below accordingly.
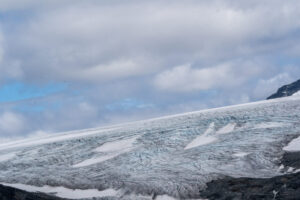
(227, 75)
(12, 5)
(178, 56)
(154, 36)
(1, 46)
(11, 123)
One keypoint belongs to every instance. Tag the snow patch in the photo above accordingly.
(203, 139)
(296, 171)
(241, 154)
(281, 167)
(93, 161)
(290, 169)
(275, 194)
(65, 192)
(111, 150)
(294, 145)
(297, 94)
(164, 197)
(226, 129)
(6, 157)
(270, 125)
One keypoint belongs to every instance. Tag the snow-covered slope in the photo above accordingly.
(166, 158)
(297, 93)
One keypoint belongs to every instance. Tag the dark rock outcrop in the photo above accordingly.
(286, 90)
(291, 159)
(285, 187)
(9, 193)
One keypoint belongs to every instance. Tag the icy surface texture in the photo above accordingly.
(172, 156)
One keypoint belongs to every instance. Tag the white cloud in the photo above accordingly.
(82, 41)
(11, 123)
(186, 78)
(105, 72)
(9, 69)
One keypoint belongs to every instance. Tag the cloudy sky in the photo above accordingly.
(72, 64)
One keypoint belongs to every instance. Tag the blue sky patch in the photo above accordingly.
(18, 91)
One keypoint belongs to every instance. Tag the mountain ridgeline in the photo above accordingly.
(286, 90)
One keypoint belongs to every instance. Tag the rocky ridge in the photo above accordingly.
(285, 187)
(10, 193)
(286, 90)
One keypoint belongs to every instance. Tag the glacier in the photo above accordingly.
(170, 157)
